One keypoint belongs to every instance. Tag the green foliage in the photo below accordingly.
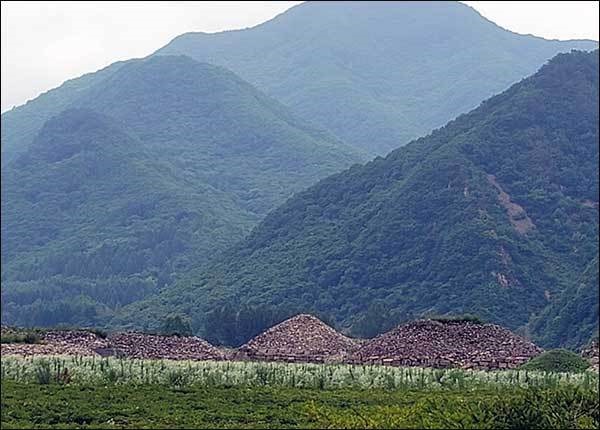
(458, 318)
(557, 360)
(231, 325)
(378, 318)
(570, 407)
(19, 335)
(112, 202)
(571, 317)
(424, 230)
(164, 406)
(178, 325)
(94, 370)
(359, 81)
(106, 392)
(43, 373)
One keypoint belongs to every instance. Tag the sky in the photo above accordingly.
(46, 43)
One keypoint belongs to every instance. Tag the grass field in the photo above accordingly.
(112, 393)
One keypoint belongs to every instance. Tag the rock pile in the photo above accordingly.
(140, 345)
(429, 343)
(302, 338)
(592, 354)
(59, 342)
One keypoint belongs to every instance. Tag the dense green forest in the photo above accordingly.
(151, 172)
(21, 124)
(573, 316)
(377, 74)
(494, 214)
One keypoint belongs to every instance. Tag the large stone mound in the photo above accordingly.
(302, 338)
(140, 345)
(430, 343)
(59, 342)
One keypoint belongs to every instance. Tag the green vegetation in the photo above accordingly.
(21, 124)
(178, 325)
(369, 72)
(226, 325)
(91, 392)
(457, 318)
(93, 370)
(19, 335)
(152, 406)
(572, 317)
(150, 172)
(428, 229)
(557, 360)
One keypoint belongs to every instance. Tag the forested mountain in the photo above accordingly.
(21, 124)
(571, 319)
(377, 74)
(495, 214)
(148, 173)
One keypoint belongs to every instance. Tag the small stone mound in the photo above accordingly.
(59, 342)
(592, 354)
(302, 338)
(429, 343)
(140, 345)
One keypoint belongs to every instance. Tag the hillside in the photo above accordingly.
(150, 172)
(376, 74)
(572, 317)
(21, 124)
(492, 214)
(367, 71)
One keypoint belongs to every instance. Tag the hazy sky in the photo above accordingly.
(45, 43)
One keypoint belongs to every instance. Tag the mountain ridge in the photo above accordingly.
(423, 229)
(361, 56)
(196, 157)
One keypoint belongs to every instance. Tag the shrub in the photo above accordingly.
(20, 336)
(457, 318)
(557, 360)
(176, 325)
(43, 374)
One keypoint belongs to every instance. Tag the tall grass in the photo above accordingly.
(96, 370)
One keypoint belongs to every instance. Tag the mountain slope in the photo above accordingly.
(21, 124)
(572, 318)
(376, 74)
(152, 171)
(490, 215)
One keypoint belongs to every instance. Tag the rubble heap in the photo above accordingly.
(140, 345)
(302, 338)
(59, 342)
(430, 343)
(592, 354)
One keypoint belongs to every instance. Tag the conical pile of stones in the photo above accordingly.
(440, 344)
(302, 338)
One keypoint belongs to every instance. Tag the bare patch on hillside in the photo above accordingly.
(516, 214)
